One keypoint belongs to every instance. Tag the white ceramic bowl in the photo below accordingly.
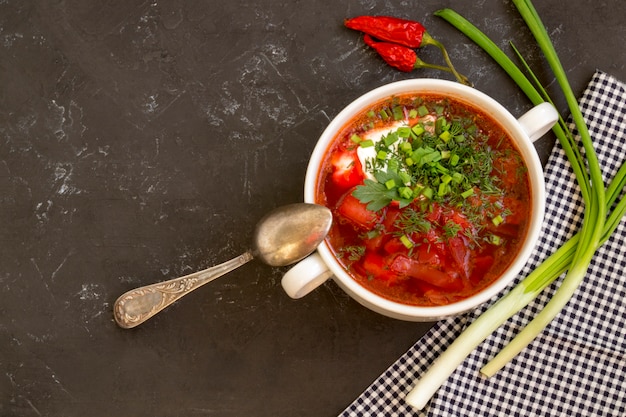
(322, 265)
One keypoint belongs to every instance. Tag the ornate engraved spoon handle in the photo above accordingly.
(136, 306)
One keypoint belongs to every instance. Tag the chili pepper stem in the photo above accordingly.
(429, 40)
(421, 64)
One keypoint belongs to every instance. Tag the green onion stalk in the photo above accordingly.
(573, 257)
(595, 203)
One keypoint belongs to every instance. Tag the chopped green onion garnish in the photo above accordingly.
(405, 192)
(404, 132)
(495, 240)
(431, 157)
(418, 129)
(405, 147)
(368, 143)
(440, 125)
(390, 184)
(398, 113)
(467, 193)
(457, 177)
(391, 138)
(406, 241)
(356, 138)
(441, 168)
(497, 221)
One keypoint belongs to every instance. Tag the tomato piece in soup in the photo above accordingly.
(347, 169)
(350, 208)
(379, 267)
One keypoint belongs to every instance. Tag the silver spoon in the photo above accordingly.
(284, 236)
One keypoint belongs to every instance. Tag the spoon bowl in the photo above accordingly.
(284, 236)
(290, 233)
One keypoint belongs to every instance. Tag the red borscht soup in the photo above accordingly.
(430, 198)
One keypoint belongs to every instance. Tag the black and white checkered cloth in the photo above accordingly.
(577, 366)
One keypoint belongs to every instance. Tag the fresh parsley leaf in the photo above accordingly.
(374, 194)
(383, 176)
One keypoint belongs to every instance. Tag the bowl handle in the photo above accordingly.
(305, 276)
(537, 121)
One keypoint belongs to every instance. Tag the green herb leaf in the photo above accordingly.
(374, 194)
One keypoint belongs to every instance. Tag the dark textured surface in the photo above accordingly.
(140, 141)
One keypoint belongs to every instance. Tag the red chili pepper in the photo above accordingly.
(391, 29)
(403, 58)
(397, 56)
(400, 33)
